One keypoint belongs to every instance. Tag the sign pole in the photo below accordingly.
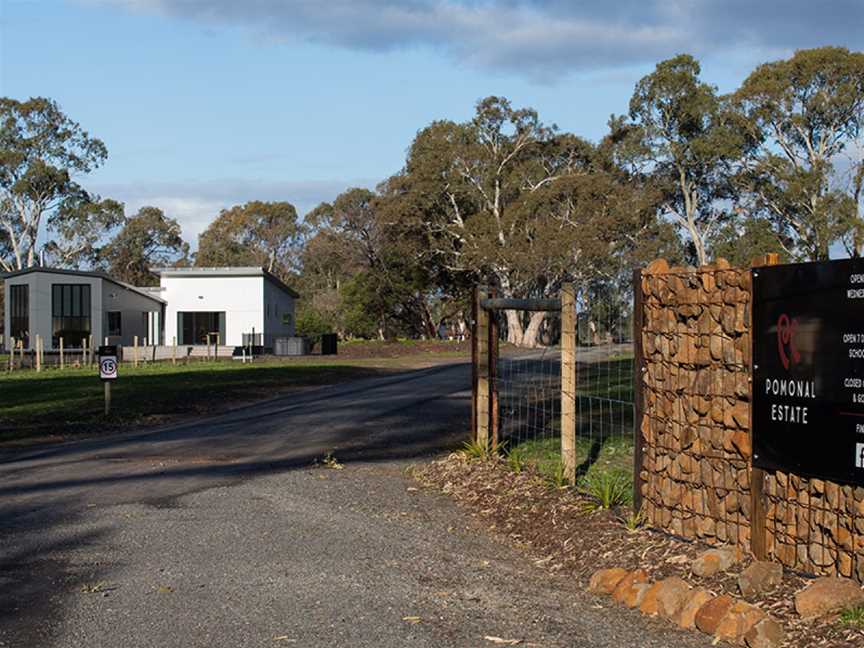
(107, 384)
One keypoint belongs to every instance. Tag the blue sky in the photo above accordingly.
(207, 103)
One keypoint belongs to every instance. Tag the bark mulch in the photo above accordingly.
(557, 533)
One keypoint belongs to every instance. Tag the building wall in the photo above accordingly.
(240, 298)
(40, 303)
(139, 316)
(104, 296)
(278, 313)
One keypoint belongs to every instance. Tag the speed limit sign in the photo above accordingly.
(108, 362)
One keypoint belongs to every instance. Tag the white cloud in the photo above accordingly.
(541, 38)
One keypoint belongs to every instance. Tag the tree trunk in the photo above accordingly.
(514, 327)
(531, 337)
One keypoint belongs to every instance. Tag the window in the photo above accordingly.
(70, 314)
(19, 312)
(194, 327)
(115, 323)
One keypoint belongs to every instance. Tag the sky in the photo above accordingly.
(204, 104)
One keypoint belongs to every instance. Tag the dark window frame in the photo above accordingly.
(71, 308)
(115, 328)
(19, 313)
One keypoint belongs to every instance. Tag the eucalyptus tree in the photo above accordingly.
(465, 184)
(42, 153)
(684, 140)
(266, 234)
(148, 239)
(803, 115)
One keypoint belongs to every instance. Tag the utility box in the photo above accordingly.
(329, 342)
(290, 346)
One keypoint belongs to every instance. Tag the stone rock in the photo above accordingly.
(672, 596)
(765, 634)
(626, 592)
(826, 595)
(687, 617)
(738, 621)
(658, 266)
(604, 581)
(761, 576)
(714, 561)
(712, 612)
(649, 600)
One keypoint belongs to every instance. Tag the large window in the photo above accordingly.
(115, 323)
(194, 327)
(19, 311)
(70, 314)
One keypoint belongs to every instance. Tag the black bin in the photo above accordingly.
(329, 344)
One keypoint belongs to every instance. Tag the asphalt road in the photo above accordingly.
(225, 533)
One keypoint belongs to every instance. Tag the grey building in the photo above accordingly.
(75, 305)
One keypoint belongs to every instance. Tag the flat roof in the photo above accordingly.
(226, 271)
(93, 274)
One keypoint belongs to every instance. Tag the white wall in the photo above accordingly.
(277, 303)
(240, 298)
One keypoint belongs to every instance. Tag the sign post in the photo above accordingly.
(108, 371)
(808, 369)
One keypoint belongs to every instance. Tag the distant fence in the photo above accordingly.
(568, 404)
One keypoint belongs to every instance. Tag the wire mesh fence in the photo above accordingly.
(529, 386)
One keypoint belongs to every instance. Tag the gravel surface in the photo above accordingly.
(224, 534)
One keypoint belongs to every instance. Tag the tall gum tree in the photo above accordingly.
(42, 153)
(465, 182)
(686, 144)
(802, 116)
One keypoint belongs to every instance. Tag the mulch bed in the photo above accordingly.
(552, 526)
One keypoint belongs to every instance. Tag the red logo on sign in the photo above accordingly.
(786, 330)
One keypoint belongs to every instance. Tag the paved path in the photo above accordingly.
(221, 533)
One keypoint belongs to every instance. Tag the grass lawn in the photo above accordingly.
(71, 401)
(614, 455)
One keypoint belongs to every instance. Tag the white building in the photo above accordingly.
(74, 306)
(239, 305)
(235, 303)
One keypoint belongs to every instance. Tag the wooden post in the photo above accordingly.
(568, 382)
(107, 384)
(216, 348)
(493, 376)
(38, 353)
(62, 358)
(758, 514)
(638, 390)
(135, 351)
(475, 305)
(12, 354)
(84, 352)
(92, 352)
(482, 394)
(208, 347)
(174, 350)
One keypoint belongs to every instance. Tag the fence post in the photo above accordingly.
(482, 392)
(38, 353)
(638, 390)
(758, 514)
(62, 358)
(174, 350)
(135, 350)
(494, 422)
(12, 354)
(568, 382)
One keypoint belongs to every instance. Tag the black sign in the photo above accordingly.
(108, 350)
(808, 369)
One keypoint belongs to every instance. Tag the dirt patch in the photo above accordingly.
(552, 526)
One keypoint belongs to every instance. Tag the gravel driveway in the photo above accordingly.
(223, 533)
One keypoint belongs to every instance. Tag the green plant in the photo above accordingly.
(556, 475)
(606, 489)
(516, 460)
(853, 617)
(330, 461)
(633, 521)
(476, 450)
